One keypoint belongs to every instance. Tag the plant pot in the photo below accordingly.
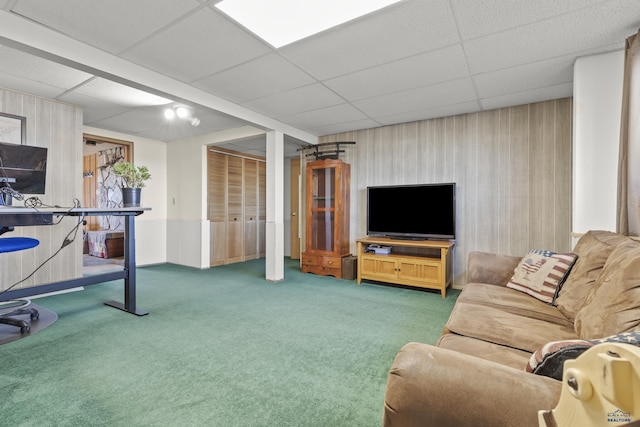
(131, 197)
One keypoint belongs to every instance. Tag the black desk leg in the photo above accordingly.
(130, 271)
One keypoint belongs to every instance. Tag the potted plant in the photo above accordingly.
(133, 179)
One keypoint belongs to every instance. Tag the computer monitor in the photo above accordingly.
(23, 168)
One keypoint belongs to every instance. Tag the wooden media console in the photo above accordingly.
(419, 263)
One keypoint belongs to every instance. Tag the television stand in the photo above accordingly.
(422, 264)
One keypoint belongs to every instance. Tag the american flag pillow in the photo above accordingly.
(549, 359)
(541, 273)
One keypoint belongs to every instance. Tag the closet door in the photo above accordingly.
(235, 223)
(250, 209)
(217, 197)
(236, 206)
(262, 208)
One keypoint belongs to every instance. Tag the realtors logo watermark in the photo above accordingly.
(618, 416)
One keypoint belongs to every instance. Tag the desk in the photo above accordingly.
(16, 216)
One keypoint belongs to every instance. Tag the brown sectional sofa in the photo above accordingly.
(475, 375)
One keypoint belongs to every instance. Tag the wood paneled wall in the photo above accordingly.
(58, 127)
(512, 167)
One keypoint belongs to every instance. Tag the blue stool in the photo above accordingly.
(9, 309)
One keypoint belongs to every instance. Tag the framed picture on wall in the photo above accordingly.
(13, 129)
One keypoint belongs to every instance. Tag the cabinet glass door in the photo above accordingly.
(323, 209)
(323, 188)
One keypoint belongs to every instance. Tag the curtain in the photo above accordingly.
(628, 209)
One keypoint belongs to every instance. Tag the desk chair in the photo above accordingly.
(17, 307)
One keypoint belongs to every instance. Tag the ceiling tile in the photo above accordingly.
(535, 95)
(27, 66)
(324, 116)
(525, 77)
(163, 131)
(94, 109)
(452, 92)
(260, 77)
(111, 25)
(302, 99)
(344, 127)
(431, 113)
(567, 34)
(198, 46)
(420, 70)
(475, 19)
(19, 84)
(131, 121)
(401, 30)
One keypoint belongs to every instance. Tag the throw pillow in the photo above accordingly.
(541, 273)
(549, 359)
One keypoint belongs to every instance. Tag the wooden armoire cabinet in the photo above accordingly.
(237, 207)
(328, 184)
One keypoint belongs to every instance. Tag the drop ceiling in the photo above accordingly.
(414, 60)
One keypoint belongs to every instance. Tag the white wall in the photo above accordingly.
(151, 235)
(597, 91)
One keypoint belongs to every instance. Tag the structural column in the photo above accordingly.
(275, 207)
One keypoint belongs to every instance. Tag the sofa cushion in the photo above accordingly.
(593, 249)
(490, 268)
(614, 305)
(485, 350)
(549, 359)
(540, 274)
(498, 326)
(511, 301)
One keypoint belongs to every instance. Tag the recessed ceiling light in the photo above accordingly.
(281, 22)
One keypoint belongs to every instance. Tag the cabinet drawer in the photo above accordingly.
(322, 261)
(311, 259)
(331, 262)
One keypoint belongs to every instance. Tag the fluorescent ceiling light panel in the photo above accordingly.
(281, 22)
(120, 94)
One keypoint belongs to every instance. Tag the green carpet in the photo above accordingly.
(220, 347)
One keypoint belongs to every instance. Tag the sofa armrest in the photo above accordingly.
(432, 386)
(490, 268)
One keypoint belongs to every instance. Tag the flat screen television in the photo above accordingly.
(23, 167)
(422, 211)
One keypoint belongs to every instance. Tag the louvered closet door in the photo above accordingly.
(262, 208)
(217, 197)
(235, 222)
(250, 209)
